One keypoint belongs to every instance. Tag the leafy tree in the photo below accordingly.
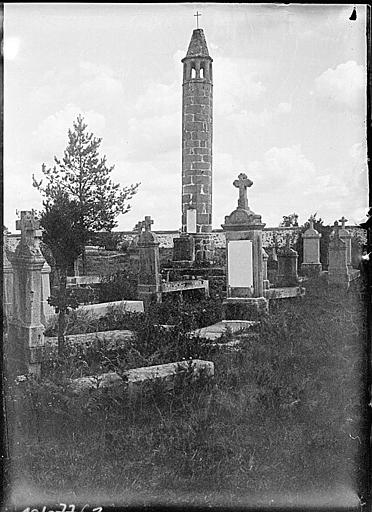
(85, 177)
(65, 237)
(289, 221)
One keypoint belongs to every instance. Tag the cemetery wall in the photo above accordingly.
(166, 239)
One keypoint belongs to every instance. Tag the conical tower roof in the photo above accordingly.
(198, 45)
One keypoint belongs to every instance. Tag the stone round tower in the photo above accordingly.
(197, 127)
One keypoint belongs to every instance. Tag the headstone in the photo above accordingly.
(184, 249)
(8, 281)
(311, 265)
(287, 266)
(26, 331)
(149, 285)
(243, 231)
(338, 272)
(346, 236)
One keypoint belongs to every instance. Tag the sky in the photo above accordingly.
(289, 100)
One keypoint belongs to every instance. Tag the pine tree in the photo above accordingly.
(65, 237)
(85, 177)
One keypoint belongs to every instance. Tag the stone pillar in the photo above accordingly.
(197, 128)
(345, 235)
(8, 281)
(244, 256)
(47, 311)
(338, 272)
(265, 257)
(149, 285)
(287, 266)
(311, 265)
(26, 332)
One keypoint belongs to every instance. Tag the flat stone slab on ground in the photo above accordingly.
(110, 339)
(83, 280)
(284, 293)
(215, 331)
(180, 286)
(127, 306)
(133, 379)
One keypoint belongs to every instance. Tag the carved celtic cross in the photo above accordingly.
(242, 183)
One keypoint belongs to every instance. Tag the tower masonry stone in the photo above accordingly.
(197, 133)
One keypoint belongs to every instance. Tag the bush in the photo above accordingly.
(118, 286)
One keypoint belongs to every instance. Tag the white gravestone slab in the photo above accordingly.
(191, 221)
(240, 264)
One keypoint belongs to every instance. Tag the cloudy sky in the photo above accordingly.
(289, 103)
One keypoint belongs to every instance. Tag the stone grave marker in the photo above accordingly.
(243, 231)
(345, 235)
(311, 265)
(287, 266)
(149, 285)
(338, 271)
(26, 331)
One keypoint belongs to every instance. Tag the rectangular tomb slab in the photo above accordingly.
(215, 331)
(133, 379)
(240, 264)
(98, 310)
(109, 339)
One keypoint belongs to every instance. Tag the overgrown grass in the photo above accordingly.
(186, 315)
(284, 414)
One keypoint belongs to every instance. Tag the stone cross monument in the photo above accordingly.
(149, 284)
(244, 256)
(345, 235)
(26, 332)
(242, 183)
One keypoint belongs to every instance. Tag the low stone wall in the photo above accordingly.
(166, 240)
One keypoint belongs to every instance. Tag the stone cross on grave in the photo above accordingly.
(138, 227)
(29, 226)
(311, 221)
(147, 223)
(336, 229)
(242, 183)
(343, 221)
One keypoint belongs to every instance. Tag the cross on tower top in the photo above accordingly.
(242, 183)
(29, 225)
(197, 18)
(147, 223)
(343, 221)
